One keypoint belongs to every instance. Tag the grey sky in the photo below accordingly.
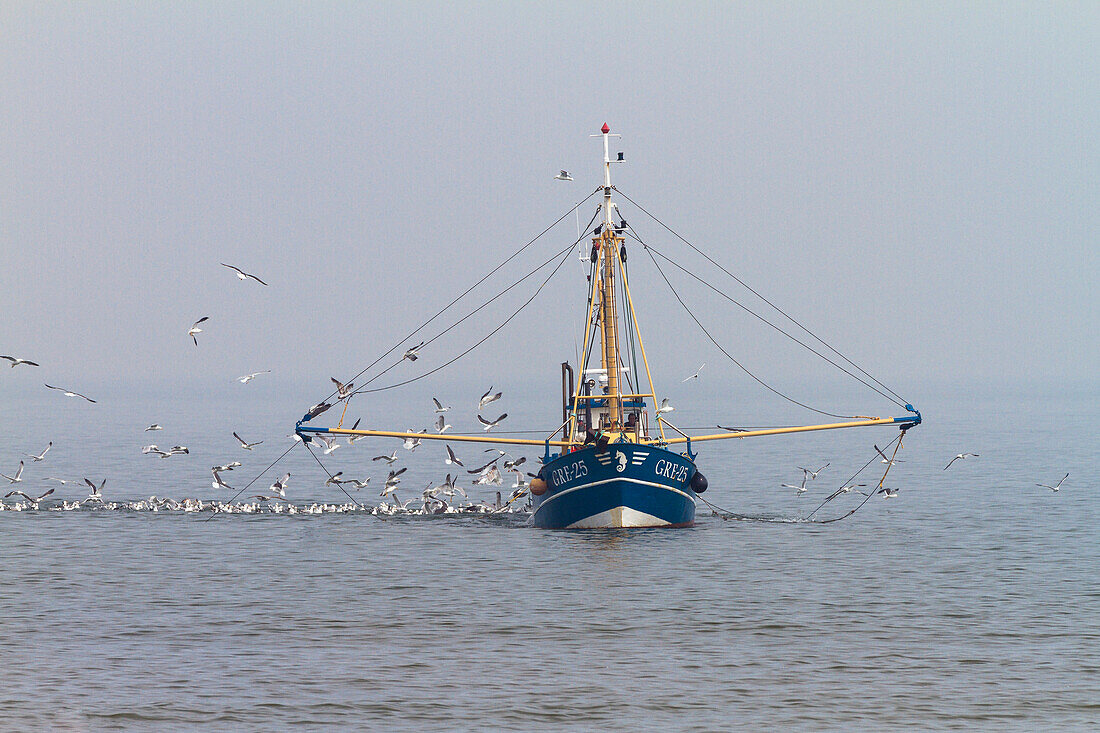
(917, 181)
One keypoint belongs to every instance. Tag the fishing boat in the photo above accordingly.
(616, 460)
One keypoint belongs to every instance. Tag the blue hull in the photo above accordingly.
(623, 485)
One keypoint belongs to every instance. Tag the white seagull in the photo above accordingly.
(97, 491)
(696, 375)
(451, 457)
(1056, 486)
(411, 354)
(487, 398)
(801, 489)
(960, 457)
(439, 407)
(343, 391)
(196, 330)
(441, 425)
(32, 499)
(242, 275)
(246, 378)
(70, 393)
(329, 443)
(490, 425)
(16, 361)
(665, 407)
(388, 459)
(563, 176)
(887, 460)
(18, 475)
(279, 487)
(888, 493)
(811, 474)
(41, 456)
(245, 444)
(154, 426)
(218, 483)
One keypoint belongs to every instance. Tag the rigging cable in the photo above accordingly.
(567, 252)
(469, 315)
(757, 294)
(777, 328)
(483, 278)
(728, 355)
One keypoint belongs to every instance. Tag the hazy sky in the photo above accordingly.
(917, 181)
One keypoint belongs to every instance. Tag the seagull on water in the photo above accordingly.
(439, 406)
(16, 361)
(411, 354)
(154, 426)
(242, 275)
(196, 330)
(665, 407)
(490, 425)
(451, 458)
(18, 475)
(41, 456)
(245, 444)
(246, 378)
(70, 393)
(960, 457)
(441, 425)
(488, 397)
(1056, 486)
(696, 375)
(563, 176)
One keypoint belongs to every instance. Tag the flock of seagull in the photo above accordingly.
(434, 499)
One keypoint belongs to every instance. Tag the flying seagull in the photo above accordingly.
(154, 426)
(343, 391)
(801, 489)
(696, 375)
(411, 354)
(18, 475)
(31, 499)
(97, 491)
(812, 474)
(242, 275)
(441, 425)
(41, 456)
(245, 379)
(318, 409)
(279, 487)
(665, 407)
(70, 393)
(488, 397)
(888, 493)
(451, 457)
(16, 361)
(439, 407)
(1056, 486)
(196, 330)
(886, 460)
(959, 457)
(218, 483)
(563, 176)
(490, 425)
(329, 443)
(245, 444)
(388, 459)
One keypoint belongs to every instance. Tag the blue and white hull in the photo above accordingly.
(620, 485)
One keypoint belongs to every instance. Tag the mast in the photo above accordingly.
(608, 249)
